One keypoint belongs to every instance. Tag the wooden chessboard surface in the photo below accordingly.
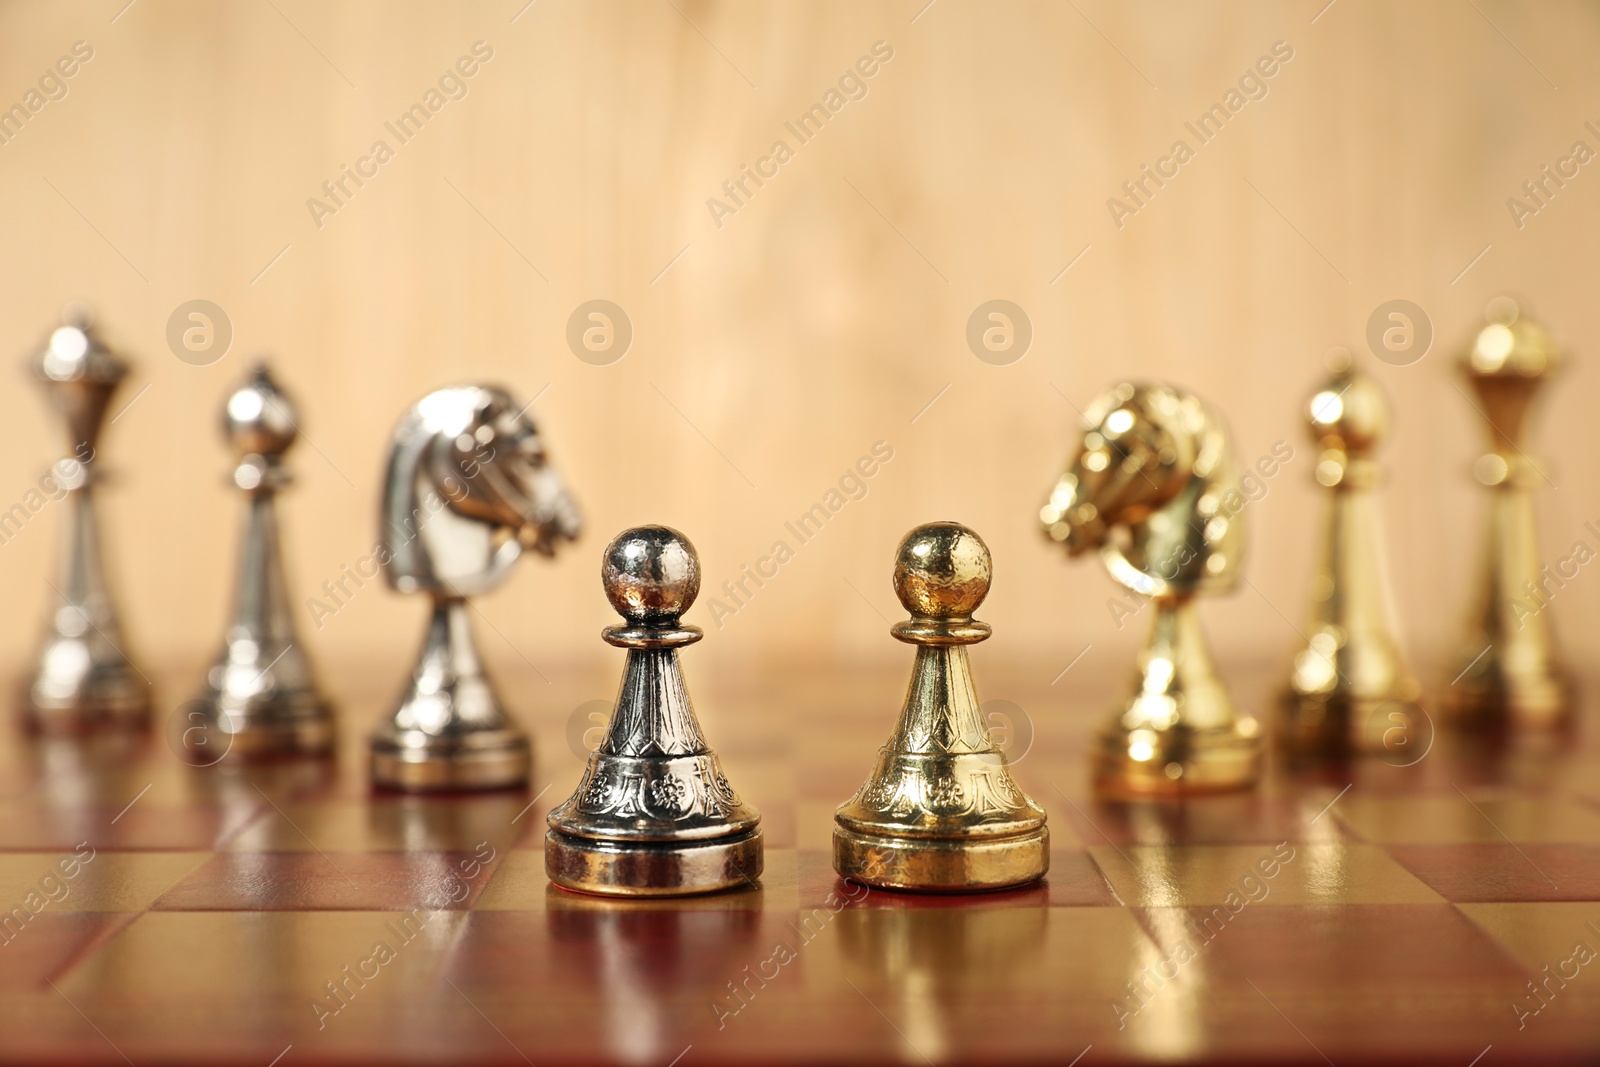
(1405, 912)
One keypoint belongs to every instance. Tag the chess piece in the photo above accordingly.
(1350, 690)
(259, 697)
(468, 490)
(940, 811)
(84, 679)
(1153, 487)
(1507, 671)
(653, 814)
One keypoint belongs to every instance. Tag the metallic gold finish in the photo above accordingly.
(259, 697)
(468, 490)
(1508, 673)
(1350, 689)
(1149, 487)
(940, 811)
(84, 680)
(653, 814)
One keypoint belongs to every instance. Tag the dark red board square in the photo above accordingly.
(333, 881)
(1489, 874)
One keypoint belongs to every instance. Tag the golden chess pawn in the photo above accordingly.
(940, 812)
(653, 814)
(1350, 689)
(1149, 487)
(1508, 673)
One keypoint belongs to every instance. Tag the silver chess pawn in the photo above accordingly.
(468, 490)
(84, 679)
(259, 697)
(653, 814)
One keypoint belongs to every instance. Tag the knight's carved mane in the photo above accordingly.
(417, 516)
(1165, 530)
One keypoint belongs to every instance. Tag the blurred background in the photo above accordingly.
(781, 330)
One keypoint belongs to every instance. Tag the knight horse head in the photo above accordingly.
(1146, 486)
(468, 490)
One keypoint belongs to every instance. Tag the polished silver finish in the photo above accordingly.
(653, 814)
(259, 697)
(468, 490)
(84, 679)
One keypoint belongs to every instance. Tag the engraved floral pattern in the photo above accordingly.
(983, 791)
(945, 792)
(880, 794)
(669, 793)
(687, 788)
(598, 793)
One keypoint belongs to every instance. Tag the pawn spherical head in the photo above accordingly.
(73, 353)
(259, 418)
(942, 571)
(1511, 345)
(1349, 411)
(651, 574)
(67, 357)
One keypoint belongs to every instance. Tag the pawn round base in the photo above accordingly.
(652, 868)
(1179, 763)
(268, 732)
(503, 760)
(120, 714)
(1532, 704)
(1315, 727)
(941, 864)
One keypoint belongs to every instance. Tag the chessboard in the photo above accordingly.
(1438, 905)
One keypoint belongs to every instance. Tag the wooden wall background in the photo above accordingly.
(820, 318)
